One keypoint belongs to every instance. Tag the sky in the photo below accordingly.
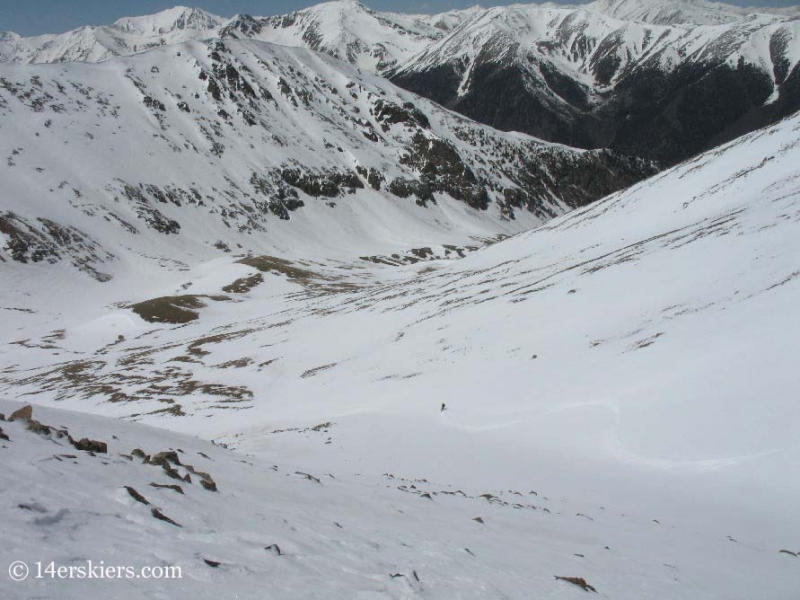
(34, 17)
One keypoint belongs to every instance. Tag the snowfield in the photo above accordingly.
(300, 333)
(619, 389)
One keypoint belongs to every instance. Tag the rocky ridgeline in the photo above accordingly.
(660, 92)
(662, 80)
(251, 133)
(44, 240)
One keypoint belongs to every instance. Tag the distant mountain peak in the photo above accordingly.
(173, 19)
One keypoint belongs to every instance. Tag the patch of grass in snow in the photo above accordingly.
(173, 309)
(267, 264)
(244, 284)
(312, 280)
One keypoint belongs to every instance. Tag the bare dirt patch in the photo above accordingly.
(175, 310)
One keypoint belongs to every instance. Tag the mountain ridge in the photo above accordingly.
(660, 80)
(250, 135)
(590, 80)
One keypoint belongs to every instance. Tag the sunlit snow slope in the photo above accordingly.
(634, 362)
(166, 159)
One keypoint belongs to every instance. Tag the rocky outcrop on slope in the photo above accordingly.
(591, 81)
(223, 137)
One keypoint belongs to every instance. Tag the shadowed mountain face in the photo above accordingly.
(585, 79)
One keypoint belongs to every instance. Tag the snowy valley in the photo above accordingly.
(303, 333)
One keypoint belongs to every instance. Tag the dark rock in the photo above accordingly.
(275, 549)
(443, 170)
(212, 563)
(136, 495)
(88, 445)
(154, 104)
(213, 89)
(161, 458)
(145, 211)
(173, 487)
(162, 517)
(209, 485)
(373, 177)
(309, 477)
(403, 188)
(328, 184)
(39, 428)
(33, 507)
(205, 479)
(171, 471)
(579, 581)
(387, 113)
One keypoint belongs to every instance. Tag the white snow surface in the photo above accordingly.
(632, 362)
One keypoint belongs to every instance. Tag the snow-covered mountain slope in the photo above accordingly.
(671, 12)
(281, 529)
(344, 29)
(683, 12)
(662, 80)
(632, 361)
(581, 77)
(126, 36)
(349, 31)
(193, 150)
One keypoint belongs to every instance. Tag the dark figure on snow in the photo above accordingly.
(444, 407)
